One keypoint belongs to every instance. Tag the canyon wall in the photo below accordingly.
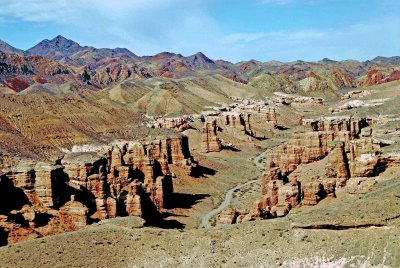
(127, 179)
(342, 151)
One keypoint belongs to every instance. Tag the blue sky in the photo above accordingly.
(234, 30)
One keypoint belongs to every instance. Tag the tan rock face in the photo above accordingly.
(41, 182)
(128, 178)
(364, 157)
(210, 141)
(295, 100)
(130, 175)
(278, 195)
(270, 115)
(344, 146)
(228, 216)
(312, 193)
(337, 164)
(239, 121)
(75, 213)
(177, 123)
(307, 147)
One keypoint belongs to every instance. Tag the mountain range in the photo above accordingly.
(61, 60)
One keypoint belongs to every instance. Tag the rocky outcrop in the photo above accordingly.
(337, 164)
(210, 141)
(74, 213)
(364, 158)
(295, 100)
(232, 216)
(238, 121)
(270, 115)
(134, 200)
(126, 178)
(44, 182)
(311, 146)
(353, 104)
(129, 176)
(344, 148)
(373, 77)
(312, 193)
(177, 123)
(354, 93)
(278, 194)
(227, 216)
(393, 76)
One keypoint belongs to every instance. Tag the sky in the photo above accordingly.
(234, 30)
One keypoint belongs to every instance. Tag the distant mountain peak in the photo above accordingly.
(201, 61)
(7, 48)
(55, 48)
(199, 56)
(395, 60)
(62, 42)
(167, 55)
(60, 37)
(327, 60)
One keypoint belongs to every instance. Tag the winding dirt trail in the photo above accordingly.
(205, 220)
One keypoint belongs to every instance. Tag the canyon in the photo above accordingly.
(196, 162)
(125, 179)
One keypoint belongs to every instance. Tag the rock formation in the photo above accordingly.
(130, 173)
(238, 121)
(227, 216)
(210, 141)
(278, 195)
(74, 213)
(375, 76)
(270, 115)
(177, 123)
(128, 178)
(295, 100)
(344, 147)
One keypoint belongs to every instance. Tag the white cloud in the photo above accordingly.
(143, 26)
(356, 41)
(63, 11)
(147, 27)
(307, 34)
(245, 37)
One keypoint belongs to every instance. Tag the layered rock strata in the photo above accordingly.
(128, 178)
(238, 121)
(343, 145)
(344, 150)
(295, 100)
(210, 141)
(177, 123)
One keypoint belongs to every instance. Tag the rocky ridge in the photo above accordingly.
(100, 68)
